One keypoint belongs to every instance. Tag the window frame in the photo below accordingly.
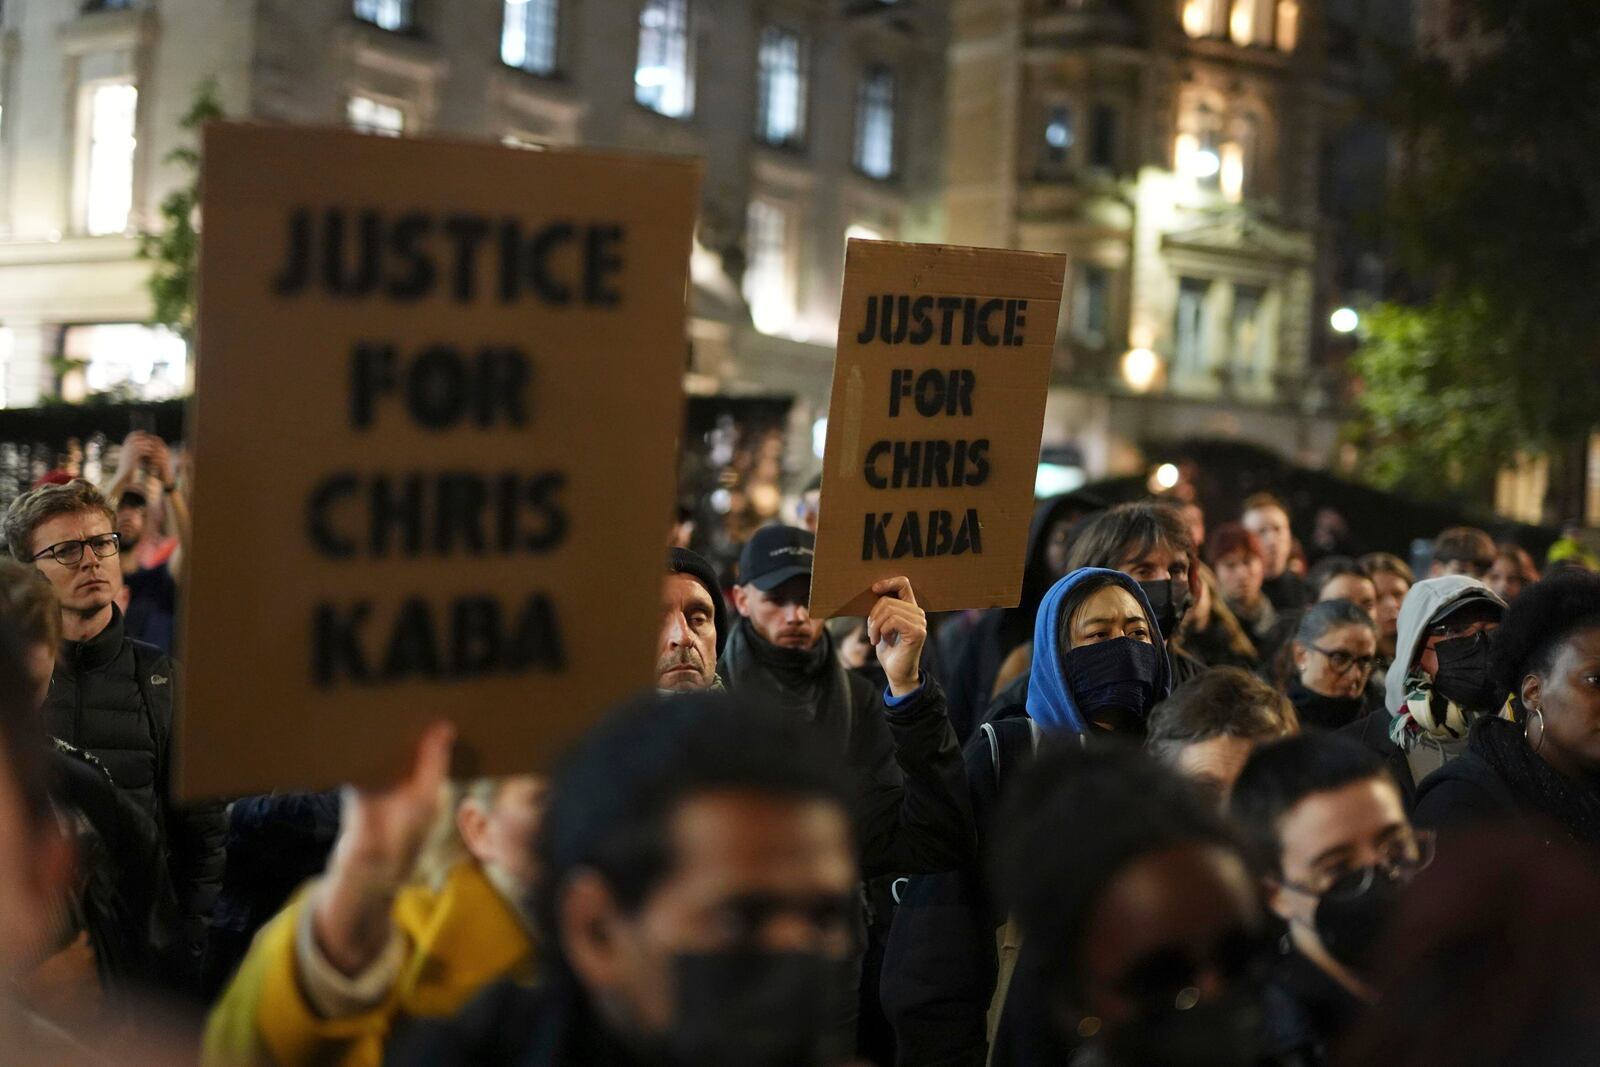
(797, 139)
(556, 22)
(407, 23)
(684, 35)
(84, 155)
(873, 74)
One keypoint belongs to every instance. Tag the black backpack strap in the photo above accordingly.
(146, 665)
(1012, 742)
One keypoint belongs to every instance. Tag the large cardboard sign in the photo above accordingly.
(437, 401)
(933, 428)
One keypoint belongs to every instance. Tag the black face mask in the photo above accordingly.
(1112, 681)
(1463, 674)
(1223, 1033)
(1169, 603)
(1350, 926)
(739, 1008)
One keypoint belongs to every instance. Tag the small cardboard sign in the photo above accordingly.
(933, 427)
(438, 396)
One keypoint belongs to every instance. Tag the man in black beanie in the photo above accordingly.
(694, 625)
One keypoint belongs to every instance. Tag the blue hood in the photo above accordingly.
(1050, 700)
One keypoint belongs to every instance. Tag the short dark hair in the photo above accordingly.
(615, 795)
(1540, 620)
(1464, 544)
(1327, 615)
(1070, 823)
(1129, 529)
(1331, 567)
(1280, 775)
(1376, 563)
(1220, 702)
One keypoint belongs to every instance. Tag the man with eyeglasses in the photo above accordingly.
(112, 696)
(1440, 681)
(1330, 833)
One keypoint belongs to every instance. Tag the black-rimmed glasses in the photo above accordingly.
(70, 553)
(1402, 864)
(1342, 661)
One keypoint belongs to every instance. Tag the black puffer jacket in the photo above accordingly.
(113, 697)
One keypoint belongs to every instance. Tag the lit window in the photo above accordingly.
(1189, 332)
(1251, 358)
(126, 359)
(769, 286)
(1091, 304)
(661, 79)
(528, 35)
(1288, 25)
(372, 116)
(1103, 137)
(1231, 171)
(112, 110)
(781, 110)
(1058, 140)
(385, 14)
(875, 105)
(1200, 17)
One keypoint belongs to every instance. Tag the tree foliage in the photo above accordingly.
(173, 249)
(1499, 207)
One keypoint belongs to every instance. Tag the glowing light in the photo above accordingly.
(1139, 369)
(1165, 476)
(1345, 320)
(819, 436)
(1205, 164)
(1053, 479)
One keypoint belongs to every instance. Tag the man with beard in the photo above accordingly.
(1330, 833)
(694, 625)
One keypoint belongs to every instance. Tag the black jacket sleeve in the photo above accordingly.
(1462, 795)
(913, 812)
(940, 968)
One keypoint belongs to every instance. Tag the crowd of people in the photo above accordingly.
(1191, 802)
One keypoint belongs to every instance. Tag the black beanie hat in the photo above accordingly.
(682, 561)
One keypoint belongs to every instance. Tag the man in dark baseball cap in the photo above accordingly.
(694, 625)
(780, 656)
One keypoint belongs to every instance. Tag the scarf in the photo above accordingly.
(1430, 714)
(1574, 806)
(807, 683)
(1324, 712)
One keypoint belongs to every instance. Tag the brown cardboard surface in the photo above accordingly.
(992, 379)
(542, 402)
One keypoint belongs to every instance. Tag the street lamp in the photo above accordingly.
(1139, 369)
(1345, 320)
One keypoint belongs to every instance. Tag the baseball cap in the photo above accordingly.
(776, 554)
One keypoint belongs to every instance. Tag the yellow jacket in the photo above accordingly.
(458, 940)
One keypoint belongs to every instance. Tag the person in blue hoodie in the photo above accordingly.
(1099, 666)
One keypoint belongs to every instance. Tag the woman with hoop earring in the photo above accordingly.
(1544, 768)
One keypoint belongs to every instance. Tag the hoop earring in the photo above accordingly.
(1527, 730)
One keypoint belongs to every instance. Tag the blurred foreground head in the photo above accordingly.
(699, 882)
(35, 859)
(1493, 959)
(1142, 929)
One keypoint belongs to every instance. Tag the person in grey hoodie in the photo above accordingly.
(1440, 681)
